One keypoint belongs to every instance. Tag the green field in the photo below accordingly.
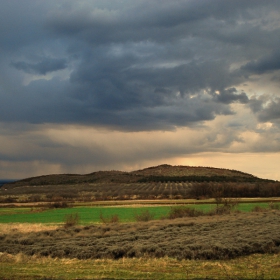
(92, 214)
(87, 214)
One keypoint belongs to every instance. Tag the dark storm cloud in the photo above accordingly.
(132, 65)
(271, 112)
(43, 67)
(147, 20)
(256, 105)
(266, 108)
(231, 95)
(21, 24)
(265, 64)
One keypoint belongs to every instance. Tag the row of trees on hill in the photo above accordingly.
(271, 189)
(196, 178)
(151, 190)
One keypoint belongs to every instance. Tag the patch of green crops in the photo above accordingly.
(86, 214)
(92, 214)
(9, 211)
(247, 207)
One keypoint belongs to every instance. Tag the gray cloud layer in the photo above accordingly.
(135, 65)
(43, 67)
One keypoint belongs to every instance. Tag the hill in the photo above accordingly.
(158, 182)
(161, 173)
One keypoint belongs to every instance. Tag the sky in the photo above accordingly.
(123, 85)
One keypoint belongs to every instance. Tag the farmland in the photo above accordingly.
(155, 223)
(220, 245)
(91, 214)
(87, 214)
(155, 183)
(137, 191)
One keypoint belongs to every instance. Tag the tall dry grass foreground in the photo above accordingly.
(20, 266)
(212, 237)
(25, 228)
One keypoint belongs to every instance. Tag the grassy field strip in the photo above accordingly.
(10, 211)
(142, 203)
(251, 267)
(92, 214)
(171, 202)
(87, 214)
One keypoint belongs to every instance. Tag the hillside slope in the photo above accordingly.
(158, 182)
(161, 173)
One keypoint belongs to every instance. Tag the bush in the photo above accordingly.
(34, 198)
(220, 210)
(180, 212)
(144, 216)
(274, 206)
(9, 200)
(224, 205)
(58, 204)
(258, 209)
(109, 220)
(71, 220)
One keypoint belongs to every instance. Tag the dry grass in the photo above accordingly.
(216, 237)
(234, 228)
(25, 267)
(25, 228)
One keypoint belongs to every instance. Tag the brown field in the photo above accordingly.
(207, 237)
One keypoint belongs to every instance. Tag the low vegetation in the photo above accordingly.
(107, 214)
(20, 266)
(192, 237)
(181, 211)
(114, 218)
(71, 220)
(144, 216)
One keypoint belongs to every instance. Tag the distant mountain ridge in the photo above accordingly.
(161, 173)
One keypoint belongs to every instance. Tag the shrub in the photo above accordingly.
(144, 216)
(220, 210)
(71, 220)
(109, 220)
(258, 209)
(9, 199)
(274, 206)
(35, 198)
(230, 202)
(58, 204)
(224, 205)
(180, 212)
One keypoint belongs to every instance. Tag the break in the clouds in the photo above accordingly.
(142, 66)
